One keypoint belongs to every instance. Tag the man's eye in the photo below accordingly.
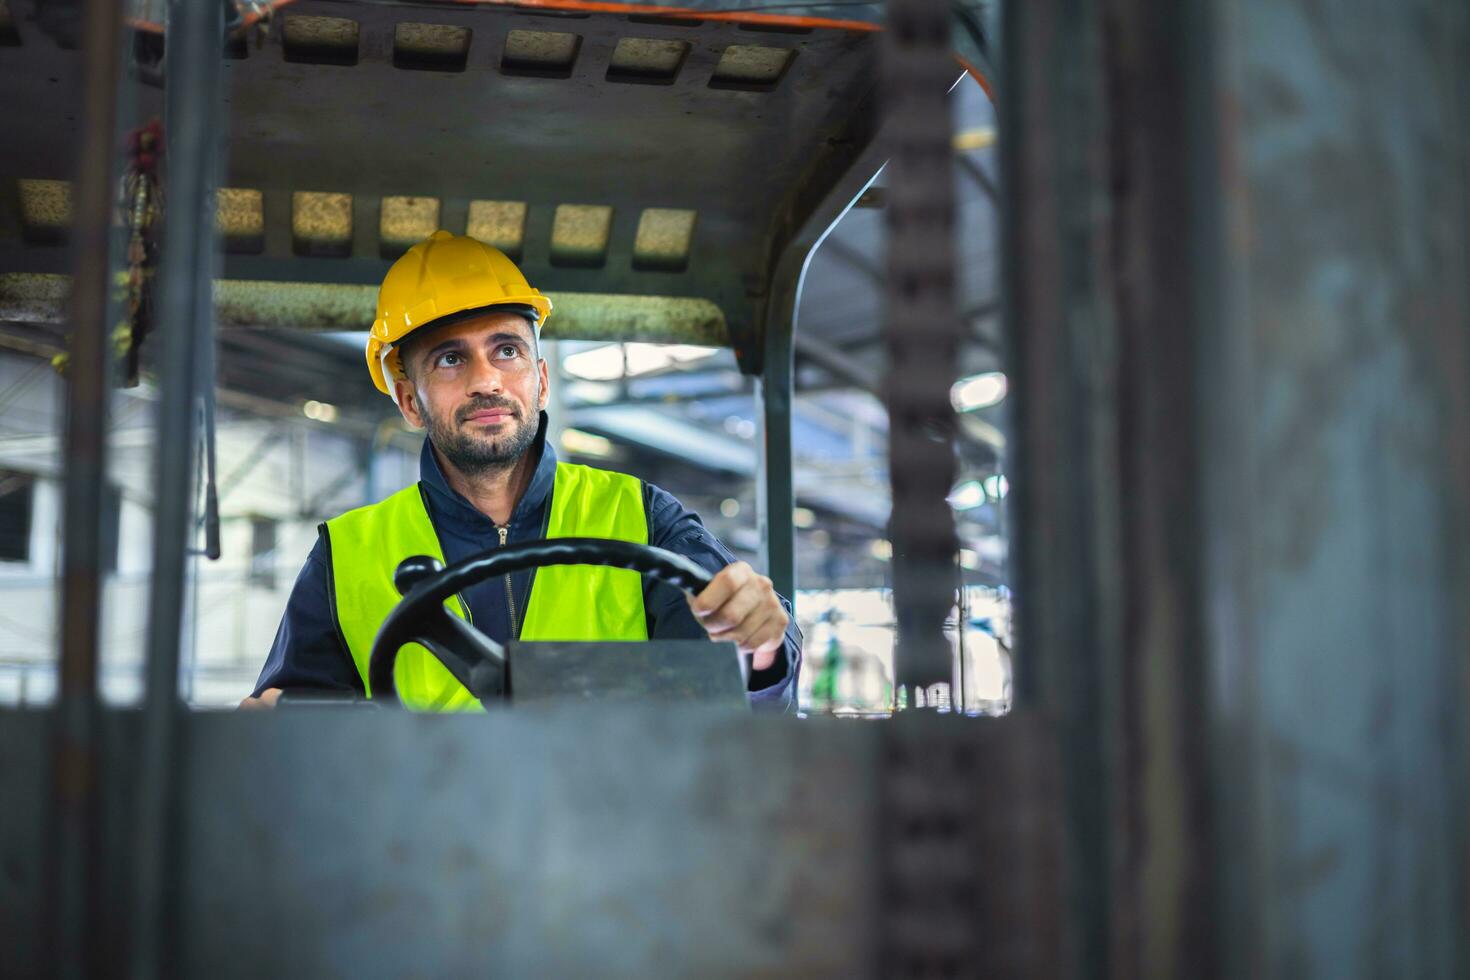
(509, 350)
(450, 358)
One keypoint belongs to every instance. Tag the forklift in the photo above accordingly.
(665, 173)
(1234, 274)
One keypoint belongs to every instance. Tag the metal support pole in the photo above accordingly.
(774, 493)
(74, 903)
(1063, 486)
(921, 334)
(194, 75)
(1153, 676)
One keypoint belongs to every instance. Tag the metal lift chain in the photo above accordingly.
(921, 334)
(930, 879)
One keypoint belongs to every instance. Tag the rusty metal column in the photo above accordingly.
(1162, 863)
(775, 492)
(1335, 394)
(1062, 471)
(921, 331)
(194, 79)
(74, 903)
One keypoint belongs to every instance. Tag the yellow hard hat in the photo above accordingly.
(442, 275)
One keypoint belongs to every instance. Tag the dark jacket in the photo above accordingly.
(308, 652)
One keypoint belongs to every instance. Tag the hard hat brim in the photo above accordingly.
(384, 363)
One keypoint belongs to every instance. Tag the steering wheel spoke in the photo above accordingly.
(445, 635)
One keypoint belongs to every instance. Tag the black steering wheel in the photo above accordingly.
(475, 660)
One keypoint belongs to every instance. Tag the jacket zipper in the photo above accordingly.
(510, 598)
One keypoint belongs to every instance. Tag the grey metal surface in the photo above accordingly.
(599, 840)
(26, 833)
(1104, 461)
(659, 670)
(1164, 894)
(1337, 528)
(519, 846)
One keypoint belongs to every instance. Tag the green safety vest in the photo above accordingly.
(567, 602)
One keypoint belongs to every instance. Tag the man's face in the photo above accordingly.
(478, 387)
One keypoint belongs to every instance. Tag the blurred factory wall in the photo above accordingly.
(279, 476)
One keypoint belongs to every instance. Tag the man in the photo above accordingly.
(455, 344)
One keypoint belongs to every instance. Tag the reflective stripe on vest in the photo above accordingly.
(568, 602)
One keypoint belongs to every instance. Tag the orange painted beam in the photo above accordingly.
(682, 13)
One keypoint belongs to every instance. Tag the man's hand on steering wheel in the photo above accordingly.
(264, 702)
(741, 607)
(735, 606)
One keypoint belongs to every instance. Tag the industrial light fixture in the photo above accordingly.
(996, 486)
(730, 507)
(803, 517)
(598, 364)
(881, 549)
(585, 443)
(612, 361)
(967, 496)
(978, 391)
(592, 392)
(319, 411)
(737, 426)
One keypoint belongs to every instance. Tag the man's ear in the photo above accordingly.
(408, 405)
(545, 385)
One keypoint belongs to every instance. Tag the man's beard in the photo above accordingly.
(480, 452)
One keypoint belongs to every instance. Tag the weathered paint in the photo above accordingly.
(586, 839)
(1339, 385)
(1238, 313)
(41, 298)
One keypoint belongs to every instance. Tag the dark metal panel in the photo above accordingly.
(594, 840)
(665, 671)
(27, 911)
(1336, 388)
(1162, 891)
(583, 843)
(1098, 619)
